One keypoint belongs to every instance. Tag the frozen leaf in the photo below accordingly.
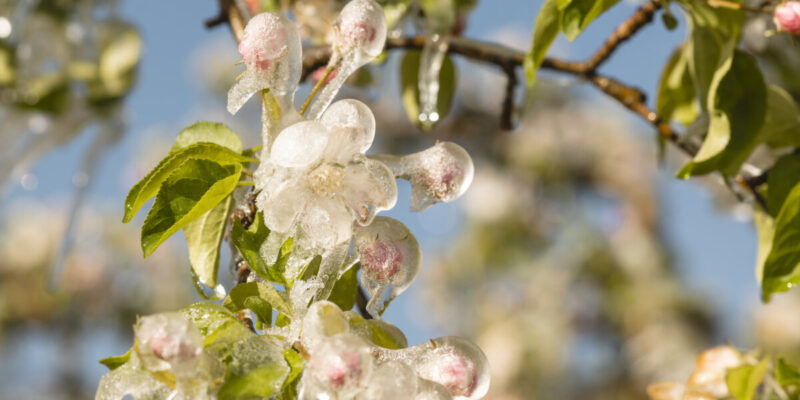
(203, 238)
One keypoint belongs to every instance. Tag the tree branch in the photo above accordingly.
(626, 30)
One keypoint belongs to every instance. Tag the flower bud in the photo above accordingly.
(264, 42)
(169, 337)
(389, 253)
(787, 17)
(362, 27)
(342, 365)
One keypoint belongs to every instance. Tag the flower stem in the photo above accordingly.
(320, 83)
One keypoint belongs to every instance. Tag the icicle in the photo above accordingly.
(430, 66)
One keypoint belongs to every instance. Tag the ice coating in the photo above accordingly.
(272, 53)
(787, 17)
(360, 37)
(132, 380)
(340, 368)
(428, 390)
(324, 319)
(430, 66)
(390, 259)
(392, 380)
(316, 181)
(441, 173)
(167, 338)
(455, 363)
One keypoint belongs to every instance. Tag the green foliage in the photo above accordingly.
(781, 270)
(576, 15)
(145, 189)
(765, 229)
(192, 189)
(346, 288)
(207, 132)
(263, 296)
(379, 332)
(786, 374)
(295, 361)
(783, 176)
(737, 106)
(116, 69)
(782, 123)
(256, 383)
(249, 242)
(676, 92)
(203, 238)
(544, 33)
(409, 84)
(115, 362)
(744, 380)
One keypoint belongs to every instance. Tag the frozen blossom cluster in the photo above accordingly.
(318, 192)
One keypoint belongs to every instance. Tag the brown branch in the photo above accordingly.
(626, 30)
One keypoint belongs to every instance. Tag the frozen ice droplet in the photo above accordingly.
(352, 128)
(455, 363)
(360, 37)
(392, 380)
(441, 173)
(339, 368)
(299, 145)
(430, 65)
(428, 390)
(167, 339)
(272, 53)
(323, 320)
(390, 259)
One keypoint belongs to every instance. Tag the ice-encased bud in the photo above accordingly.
(299, 145)
(427, 390)
(323, 320)
(787, 17)
(361, 27)
(455, 363)
(272, 52)
(392, 380)
(441, 173)
(167, 338)
(339, 368)
(131, 381)
(352, 128)
(390, 259)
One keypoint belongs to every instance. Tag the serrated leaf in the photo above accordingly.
(765, 230)
(346, 288)
(744, 380)
(409, 85)
(146, 188)
(379, 332)
(265, 291)
(786, 374)
(249, 243)
(676, 92)
(191, 190)
(208, 132)
(737, 106)
(781, 270)
(259, 382)
(545, 31)
(578, 14)
(782, 123)
(203, 238)
(783, 176)
(115, 362)
(247, 296)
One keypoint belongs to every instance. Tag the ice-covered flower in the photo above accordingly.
(317, 181)
(361, 28)
(340, 368)
(272, 52)
(787, 17)
(169, 338)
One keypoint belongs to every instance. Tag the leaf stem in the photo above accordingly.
(245, 183)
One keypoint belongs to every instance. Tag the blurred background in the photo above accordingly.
(576, 260)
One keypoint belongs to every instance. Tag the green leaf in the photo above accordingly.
(787, 374)
(783, 176)
(440, 15)
(544, 33)
(190, 191)
(578, 14)
(47, 93)
(259, 382)
(208, 132)
(744, 380)
(295, 361)
(282, 320)
(737, 106)
(149, 185)
(249, 242)
(379, 332)
(345, 290)
(238, 298)
(676, 93)
(219, 326)
(115, 362)
(782, 123)
(765, 230)
(116, 69)
(409, 84)
(781, 270)
(203, 237)
(278, 268)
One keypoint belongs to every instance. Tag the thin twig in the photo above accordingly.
(361, 303)
(626, 30)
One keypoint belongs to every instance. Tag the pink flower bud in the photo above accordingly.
(264, 42)
(382, 260)
(787, 17)
(362, 26)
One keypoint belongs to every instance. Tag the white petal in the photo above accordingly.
(368, 189)
(282, 204)
(326, 223)
(353, 120)
(299, 145)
